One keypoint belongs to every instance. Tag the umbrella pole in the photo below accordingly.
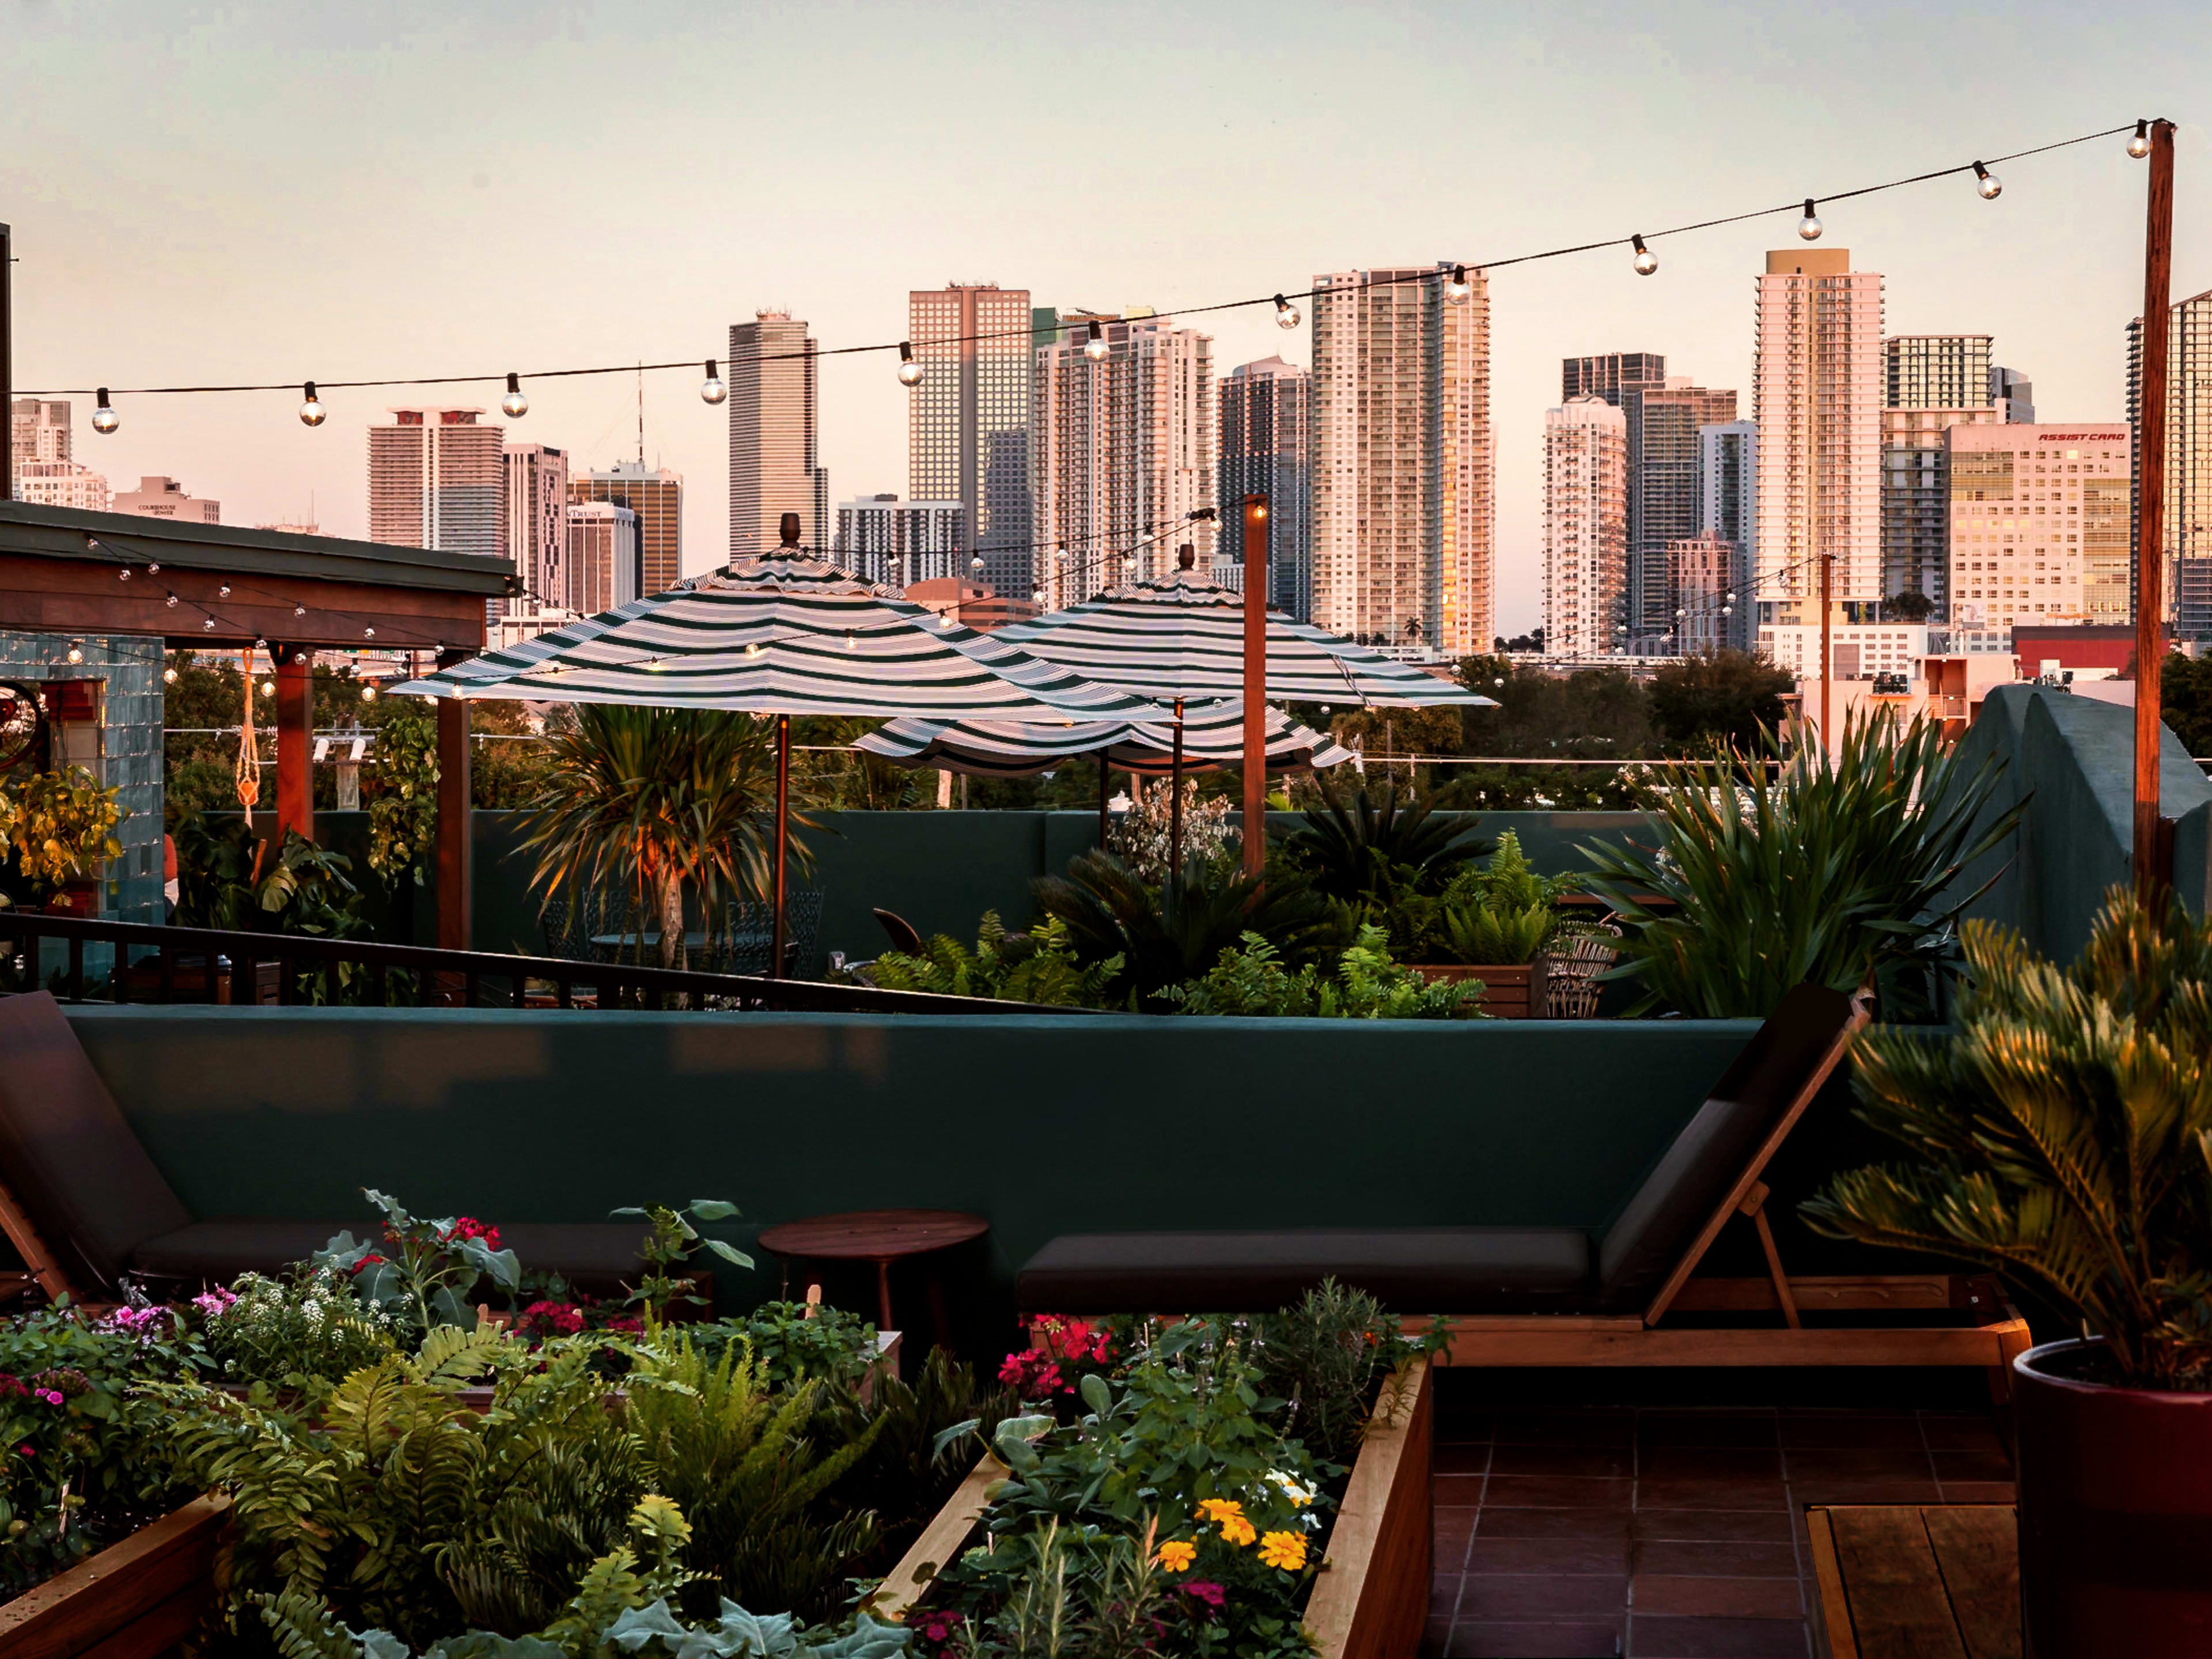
(1105, 781)
(783, 839)
(1175, 803)
(1256, 684)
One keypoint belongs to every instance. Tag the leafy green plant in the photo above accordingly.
(1330, 1358)
(433, 1269)
(1827, 871)
(1177, 932)
(401, 792)
(660, 803)
(2062, 1137)
(59, 824)
(669, 1248)
(1503, 911)
(308, 1325)
(225, 879)
(1252, 979)
(1037, 966)
(1143, 837)
(793, 1342)
(1370, 854)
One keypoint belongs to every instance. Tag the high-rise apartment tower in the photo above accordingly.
(1403, 519)
(1585, 528)
(1727, 506)
(774, 435)
(1611, 374)
(1932, 383)
(656, 497)
(2038, 528)
(1266, 448)
(968, 422)
(1663, 421)
(2187, 584)
(537, 511)
(900, 543)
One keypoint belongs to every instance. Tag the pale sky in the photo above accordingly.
(262, 192)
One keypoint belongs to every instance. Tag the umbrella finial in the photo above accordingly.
(787, 527)
(1186, 557)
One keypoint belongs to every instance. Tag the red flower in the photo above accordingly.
(468, 1226)
(364, 1261)
(565, 1318)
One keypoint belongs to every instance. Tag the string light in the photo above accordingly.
(171, 602)
(1646, 261)
(208, 627)
(223, 592)
(515, 405)
(104, 418)
(1095, 347)
(1810, 225)
(711, 389)
(368, 633)
(155, 568)
(268, 688)
(312, 412)
(369, 691)
(299, 609)
(1457, 289)
(169, 676)
(77, 651)
(976, 564)
(1286, 314)
(2139, 146)
(1988, 183)
(123, 575)
(909, 371)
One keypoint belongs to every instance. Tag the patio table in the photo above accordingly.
(882, 1236)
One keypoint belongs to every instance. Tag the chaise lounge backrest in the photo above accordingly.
(67, 1156)
(1785, 1063)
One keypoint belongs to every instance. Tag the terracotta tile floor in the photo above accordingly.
(1589, 1513)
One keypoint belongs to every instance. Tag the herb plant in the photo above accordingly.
(1038, 966)
(1365, 984)
(433, 1267)
(669, 1247)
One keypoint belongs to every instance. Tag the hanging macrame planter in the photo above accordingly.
(246, 772)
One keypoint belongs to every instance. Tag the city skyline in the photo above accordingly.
(1300, 162)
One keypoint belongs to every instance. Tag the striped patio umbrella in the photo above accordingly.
(1184, 637)
(783, 633)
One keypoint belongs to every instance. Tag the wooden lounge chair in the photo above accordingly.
(85, 1207)
(1558, 1296)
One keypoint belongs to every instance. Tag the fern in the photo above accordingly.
(1038, 966)
(1252, 979)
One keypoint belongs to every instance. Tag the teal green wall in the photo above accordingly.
(1044, 1125)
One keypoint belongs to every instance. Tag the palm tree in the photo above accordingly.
(657, 801)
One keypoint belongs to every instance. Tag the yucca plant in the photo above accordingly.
(2062, 1137)
(1824, 870)
(659, 802)
(1370, 851)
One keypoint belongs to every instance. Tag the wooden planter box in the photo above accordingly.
(1509, 992)
(1370, 1599)
(134, 1600)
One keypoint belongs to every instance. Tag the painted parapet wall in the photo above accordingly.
(2073, 759)
(1042, 1125)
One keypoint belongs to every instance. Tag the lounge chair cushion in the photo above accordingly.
(1706, 1161)
(66, 1153)
(1407, 1269)
(597, 1253)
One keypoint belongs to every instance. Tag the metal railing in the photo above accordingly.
(156, 964)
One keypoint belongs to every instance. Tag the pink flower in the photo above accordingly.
(211, 1303)
(26, 1451)
(51, 1396)
(1205, 1590)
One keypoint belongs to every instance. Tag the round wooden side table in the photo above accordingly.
(882, 1236)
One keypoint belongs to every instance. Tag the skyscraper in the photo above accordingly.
(601, 569)
(1936, 371)
(1610, 373)
(657, 498)
(2039, 528)
(1817, 400)
(1702, 574)
(774, 435)
(2186, 589)
(2014, 391)
(1403, 468)
(968, 422)
(900, 543)
(1266, 448)
(1585, 527)
(37, 430)
(1932, 383)
(1663, 421)
(1727, 506)
(537, 513)
(436, 479)
(162, 497)
(1123, 453)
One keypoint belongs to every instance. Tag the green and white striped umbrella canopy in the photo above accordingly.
(1212, 738)
(1184, 637)
(786, 633)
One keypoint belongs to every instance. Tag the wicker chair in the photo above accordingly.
(1572, 967)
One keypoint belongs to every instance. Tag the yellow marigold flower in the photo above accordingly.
(1176, 1555)
(1219, 1508)
(1235, 1530)
(1286, 1550)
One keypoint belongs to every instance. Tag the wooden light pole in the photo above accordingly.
(1827, 656)
(7, 368)
(1256, 684)
(2152, 875)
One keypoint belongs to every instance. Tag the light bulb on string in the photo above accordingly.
(123, 575)
(171, 602)
(299, 609)
(268, 688)
(312, 412)
(711, 389)
(1095, 347)
(1457, 289)
(1646, 261)
(1988, 183)
(208, 627)
(1810, 225)
(369, 691)
(1286, 314)
(155, 568)
(976, 565)
(909, 371)
(368, 633)
(2139, 146)
(515, 405)
(104, 418)
(169, 676)
(77, 651)
(223, 592)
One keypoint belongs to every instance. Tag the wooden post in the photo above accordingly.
(1175, 802)
(456, 871)
(1105, 776)
(1828, 658)
(295, 740)
(2150, 538)
(783, 839)
(1256, 684)
(7, 368)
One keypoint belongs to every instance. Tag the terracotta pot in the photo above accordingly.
(2115, 1511)
(1514, 992)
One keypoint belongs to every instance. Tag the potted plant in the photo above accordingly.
(2062, 1136)
(60, 825)
(1492, 924)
